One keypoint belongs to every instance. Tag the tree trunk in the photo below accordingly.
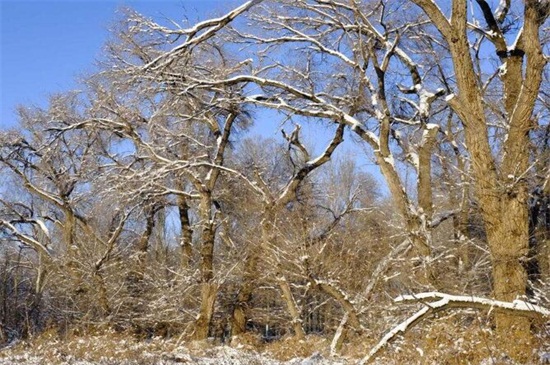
(508, 242)
(350, 317)
(209, 288)
(269, 237)
(251, 272)
(244, 295)
(103, 297)
(292, 307)
(186, 233)
(143, 243)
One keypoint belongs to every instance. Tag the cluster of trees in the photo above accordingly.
(142, 202)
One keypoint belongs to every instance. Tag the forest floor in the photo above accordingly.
(117, 349)
(113, 348)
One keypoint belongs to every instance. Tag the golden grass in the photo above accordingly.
(453, 340)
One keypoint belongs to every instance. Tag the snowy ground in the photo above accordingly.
(91, 352)
(116, 349)
(217, 356)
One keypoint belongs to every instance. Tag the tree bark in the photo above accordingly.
(508, 238)
(186, 233)
(244, 296)
(292, 307)
(209, 288)
(209, 291)
(500, 190)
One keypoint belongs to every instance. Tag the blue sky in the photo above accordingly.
(46, 45)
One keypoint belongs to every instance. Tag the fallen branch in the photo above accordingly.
(458, 301)
(447, 301)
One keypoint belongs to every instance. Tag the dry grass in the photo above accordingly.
(96, 347)
(453, 340)
(461, 339)
(289, 347)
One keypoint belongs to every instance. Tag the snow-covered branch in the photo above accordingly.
(435, 302)
(200, 33)
(24, 238)
(445, 301)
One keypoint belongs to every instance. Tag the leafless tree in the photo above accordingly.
(448, 100)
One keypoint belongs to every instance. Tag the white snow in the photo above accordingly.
(218, 355)
(390, 160)
(503, 69)
(414, 159)
(444, 299)
(399, 328)
(43, 227)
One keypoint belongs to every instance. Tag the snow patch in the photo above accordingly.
(390, 160)
(503, 69)
(449, 97)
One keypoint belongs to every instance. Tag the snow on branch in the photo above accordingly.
(289, 191)
(25, 239)
(459, 301)
(200, 33)
(401, 328)
(442, 301)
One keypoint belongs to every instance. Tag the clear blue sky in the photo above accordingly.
(46, 45)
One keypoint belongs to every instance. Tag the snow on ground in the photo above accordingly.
(220, 355)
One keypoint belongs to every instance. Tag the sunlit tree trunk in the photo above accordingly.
(209, 288)
(500, 187)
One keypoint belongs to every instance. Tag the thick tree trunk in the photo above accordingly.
(508, 237)
(209, 292)
(209, 288)
(244, 295)
(499, 188)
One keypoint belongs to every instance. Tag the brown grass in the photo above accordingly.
(289, 347)
(452, 340)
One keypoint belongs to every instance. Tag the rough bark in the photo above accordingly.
(244, 296)
(209, 291)
(501, 194)
(209, 288)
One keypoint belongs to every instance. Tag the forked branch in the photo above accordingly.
(436, 302)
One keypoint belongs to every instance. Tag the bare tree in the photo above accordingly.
(360, 44)
(500, 180)
(153, 141)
